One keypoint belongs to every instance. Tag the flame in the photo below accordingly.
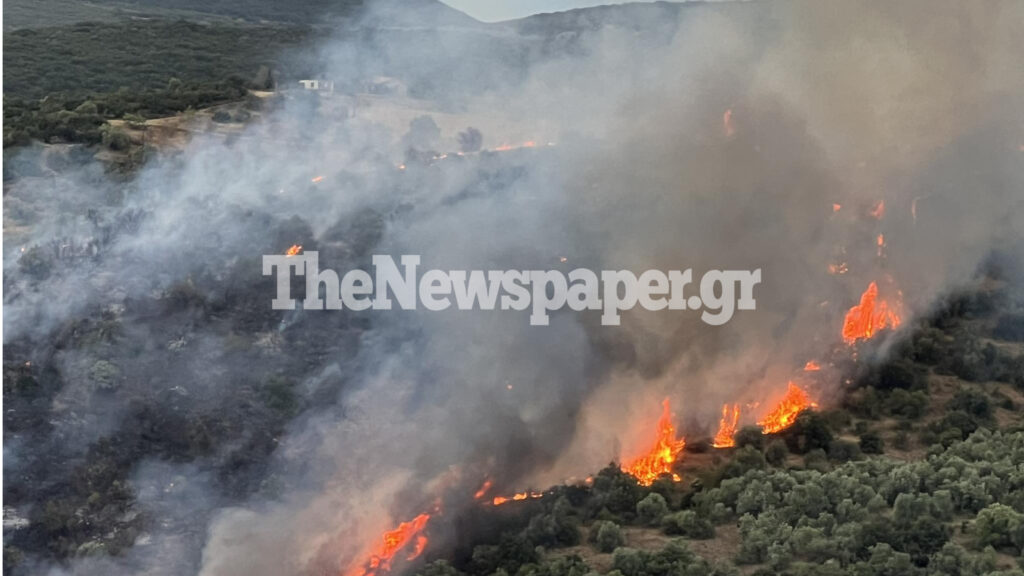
(785, 413)
(295, 249)
(393, 542)
(483, 489)
(727, 125)
(727, 427)
(881, 244)
(660, 458)
(840, 268)
(878, 211)
(317, 179)
(812, 366)
(837, 207)
(865, 319)
(499, 500)
(527, 144)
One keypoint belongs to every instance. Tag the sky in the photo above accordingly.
(494, 10)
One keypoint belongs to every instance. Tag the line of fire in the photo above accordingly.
(664, 457)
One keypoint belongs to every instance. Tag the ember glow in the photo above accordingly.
(317, 179)
(864, 320)
(812, 366)
(727, 427)
(660, 458)
(295, 249)
(785, 413)
(408, 537)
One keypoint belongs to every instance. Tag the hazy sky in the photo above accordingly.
(491, 10)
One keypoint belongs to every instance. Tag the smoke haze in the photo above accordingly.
(721, 143)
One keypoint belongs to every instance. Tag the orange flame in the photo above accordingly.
(865, 319)
(840, 268)
(393, 542)
(785, 413)
(499, 500)
(837, 207)
(317, 179)
(812, 366)
(878, 211)
(660, 458)
(483, 489)
(727, 125)
(727, 427)
(295, 249)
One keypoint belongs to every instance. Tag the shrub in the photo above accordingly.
(871, 443)
(843, 450)
(607, 535)
(749, 436)
(973, 402)
(775, 453)
(688, 523)
(999, 526)
(651, 509)
(900, 374)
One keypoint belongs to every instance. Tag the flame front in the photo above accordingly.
(659, 459)
(727, 427)
(408, 535)
(785, 413)
(499, 500)
(812, 366)
(865, 319)
(295, 249)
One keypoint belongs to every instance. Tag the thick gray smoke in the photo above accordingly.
(711, 137)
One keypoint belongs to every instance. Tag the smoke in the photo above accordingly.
(912, 103)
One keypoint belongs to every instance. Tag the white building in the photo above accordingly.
(319, 85)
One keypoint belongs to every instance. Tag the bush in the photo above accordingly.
(775, 453)
(843, 450)
(871, 443)
(688, 523)
(999, 526)
(973, 402)
(651, 509)
(607, 535)
(809, 432)
(116, 139)
(750, 436)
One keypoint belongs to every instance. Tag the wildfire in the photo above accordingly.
(660, 458)
(812, 366)
(527, 144)
(878, 211)
(499, 500)
(840, 268)
(317, 179)
(408, 536)
(865, 319)
(727, 125)
(837, 207)
(483, 490)
(727, 427)
(785, 413)
(295, 249)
